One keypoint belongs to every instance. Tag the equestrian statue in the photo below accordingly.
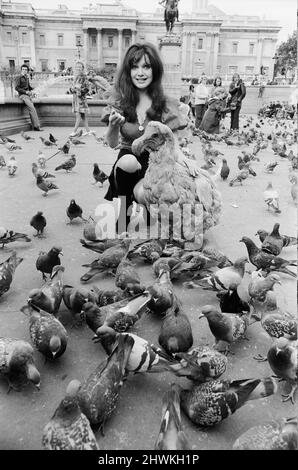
(171, 13)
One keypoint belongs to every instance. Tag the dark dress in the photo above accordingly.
(129, 131)
(213, 115)
(237, 92)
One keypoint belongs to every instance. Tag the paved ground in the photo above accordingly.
(135, 423)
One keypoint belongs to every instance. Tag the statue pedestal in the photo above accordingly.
(170, 51)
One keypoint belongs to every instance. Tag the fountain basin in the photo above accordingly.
(52, 111)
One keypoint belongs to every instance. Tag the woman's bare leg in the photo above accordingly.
(77, 123)
(85, 122)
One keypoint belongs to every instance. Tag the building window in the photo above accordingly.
(42, 40)
(24, 38)
(126, 41)
(219, 47)
(44, 65)
(9, 37)
(200, 43)
(12, 65)
(235, 47)
(110, 41)
(61, 65)
(60, 39)
(233, 69)
(249, 70)
(218, 69)
(93, 40)
(251, 48)
(78, 40)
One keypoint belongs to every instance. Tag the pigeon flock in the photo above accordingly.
(138, 343)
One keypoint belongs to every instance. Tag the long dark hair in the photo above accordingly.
(215, 80)
(128, 94)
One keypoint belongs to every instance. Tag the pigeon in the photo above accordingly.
(283, 360)
(2, 161)
(270, 167)
(107, 297)
(271, 197)
(74, 211)
(108, 261)
(176, 332)
(75, 141)
(41, 160)
(199, 365)
(75, 297)
(52, 139)
(243, 175)
(7, 270)
(230, 302)
(9, 236)
(99, 393)
(65, 148)
(12, 166)
(69, 429)
(273, 243)
(149, 250)
(38, 222)
(6, 139)
(259, 285)
(275, 322)
(17, 363)
(143, 357)
(68, 165)
(40, 171)
(98, 175)
(26, 136)
(228, 327)
(45, 185)
(127, 278)
(222, 261)
(266, 261)
(225, 170)
(12, 147)
(46, 261)
(49, 296)
(99, 246)
(286, 239)
(162, 295)
(46, 332)
(210, 403)
(280, 434)
(46, 142)
(171, 435)
(120, 315)
(223, 278)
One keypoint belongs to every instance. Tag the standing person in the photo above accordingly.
(25, 91)
(138, 98)
(80, 89)
(216, 110)
(201, 96)
(237, 91)
(191, 100)
(262, 86)
(217, 83)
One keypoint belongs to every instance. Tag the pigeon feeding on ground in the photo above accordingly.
(12, 166)
(26, 136)
(49, 296)
(7, 270)
(46, 142)
(52, 139)
(99, 175)
(68, 165)
(9, 236)
(2, 161)
(45, 185)
(46, 261)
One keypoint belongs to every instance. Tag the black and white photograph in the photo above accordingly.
(148, 228)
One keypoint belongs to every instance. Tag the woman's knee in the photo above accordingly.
(128, 163)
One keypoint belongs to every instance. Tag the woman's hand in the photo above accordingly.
(116, 119)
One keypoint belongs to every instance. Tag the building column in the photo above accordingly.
(99, 48)
(32, 47)
(215, 52)
(208, 64)
(86, 45)
(192, 47)
(184, 53)
(120, 31)
(133, 36)
(16, 39)
(259, 55)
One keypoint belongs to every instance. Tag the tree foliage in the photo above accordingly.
(287, 52)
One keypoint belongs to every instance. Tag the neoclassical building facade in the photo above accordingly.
(212, 42)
